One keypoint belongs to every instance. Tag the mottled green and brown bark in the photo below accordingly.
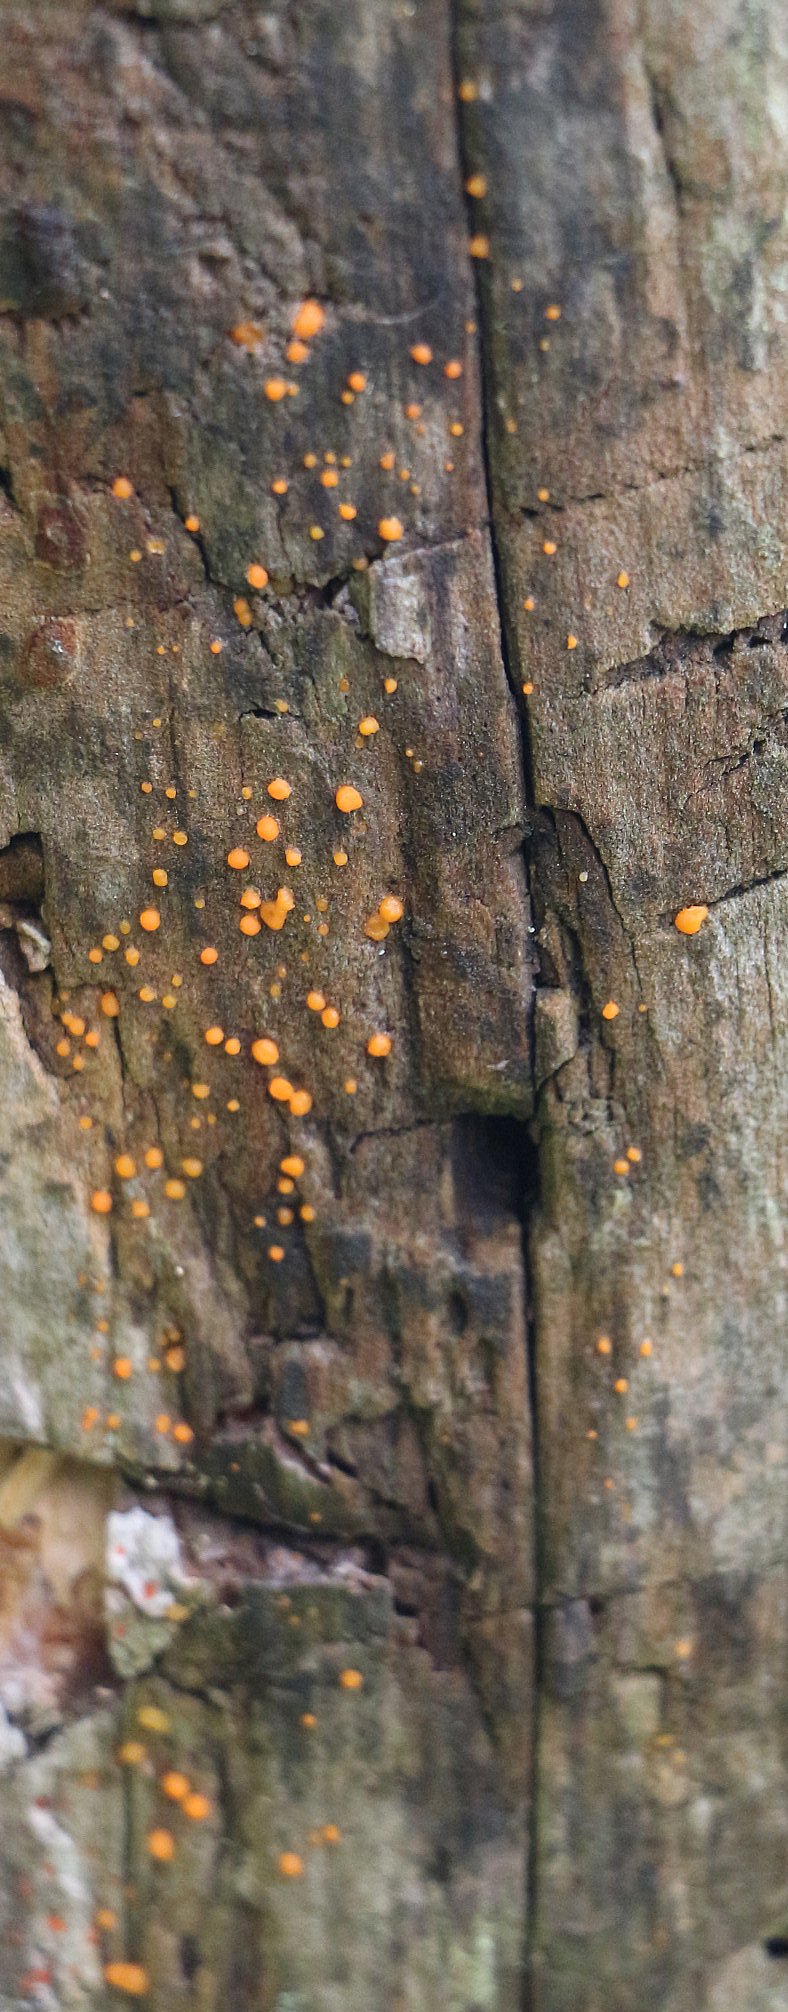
(446, 1550)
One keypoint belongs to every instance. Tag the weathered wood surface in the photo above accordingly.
(445, 1521)
(637, 167)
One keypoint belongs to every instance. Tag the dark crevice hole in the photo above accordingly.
(458, 1311)
(342, 1465)
(495, 1163)
(22, 869)
(190, 1957)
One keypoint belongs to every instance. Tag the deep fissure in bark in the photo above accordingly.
(468, 161)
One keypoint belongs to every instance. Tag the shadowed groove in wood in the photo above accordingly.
(469, 164)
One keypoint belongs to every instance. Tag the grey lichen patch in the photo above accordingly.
(397, 609)
(150, 1590)
(62, 1848)
(49, 1239)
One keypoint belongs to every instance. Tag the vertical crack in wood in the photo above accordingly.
(466, 166)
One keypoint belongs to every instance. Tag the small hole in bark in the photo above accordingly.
(190, 1957)
(24, 944)
(441, 1865)
(458, 1311)
(776, 1945)
(495, 1167)
(22, 869)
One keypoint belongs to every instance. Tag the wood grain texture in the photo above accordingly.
(636, 364)
(350, 1381)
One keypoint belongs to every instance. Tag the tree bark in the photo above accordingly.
(392, 1507)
